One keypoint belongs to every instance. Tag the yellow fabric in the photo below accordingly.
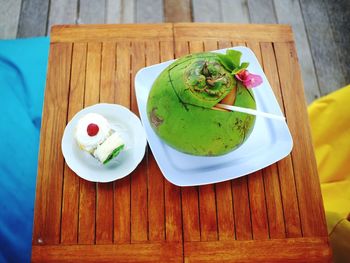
(330, 128)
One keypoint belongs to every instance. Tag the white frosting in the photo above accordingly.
(87, 142)
(108, 146)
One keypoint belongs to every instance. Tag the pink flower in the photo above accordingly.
(248, 79)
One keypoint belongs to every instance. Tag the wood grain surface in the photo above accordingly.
(33, 18)
(9, 13)
(268, 215)
(279, 250)
(122, 210)
(47, 214)
(177, 11)
(71, 185)
(151, 252)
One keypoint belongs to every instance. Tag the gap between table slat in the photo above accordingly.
(104, 195)
(312, 215)
(71, 185)
(207, 197)
(156, 217)
(122, 187)
(284, 167)
(87, 198)
(47, 213)
(172, 193)
(241, 206)
(260, 224)
(189, 195)
(139, 189)
(224, 194)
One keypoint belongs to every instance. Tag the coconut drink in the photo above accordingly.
(182, 104)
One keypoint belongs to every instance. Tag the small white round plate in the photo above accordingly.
(123, 121)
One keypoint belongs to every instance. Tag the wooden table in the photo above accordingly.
(274, 215)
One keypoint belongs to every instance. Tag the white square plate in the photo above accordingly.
(269, 141)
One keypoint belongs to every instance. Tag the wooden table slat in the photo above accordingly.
(241, 208)
(104, 191)
(139, 215)
(139, 177)
(310, 205)
(260, 225)
(142, 253)
(206, 194)
(135, 32)
(243, 221)
(190, 214)
(173, 216)
(224, 207)
(155, 177)
(122, 186)
(189, 195)
(224, 200)
(172, 193)
(108, 72)
(70, 199)
(240, 32)
(289, 197)
(207, 213)
(47, 214)
(93, 74)
(274, 204)
(122, 212)
(286, 179)
(276, 250)
(87, 200)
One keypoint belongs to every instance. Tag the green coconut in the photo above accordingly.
(181, 105)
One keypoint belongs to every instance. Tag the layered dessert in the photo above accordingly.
(183, 106)
(94, 135)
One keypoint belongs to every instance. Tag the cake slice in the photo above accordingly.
(109, 149)
(94, 135)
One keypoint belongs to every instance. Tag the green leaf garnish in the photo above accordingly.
(114, 154)
(232, 61)
(226, 62)
(235, 57)
(244, 65)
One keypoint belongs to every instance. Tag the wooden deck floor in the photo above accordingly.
(321, 27)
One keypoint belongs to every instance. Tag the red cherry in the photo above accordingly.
(92, 129)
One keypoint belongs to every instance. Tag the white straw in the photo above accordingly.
(250, 111)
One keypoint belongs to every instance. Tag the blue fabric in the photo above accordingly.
(23, 66)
